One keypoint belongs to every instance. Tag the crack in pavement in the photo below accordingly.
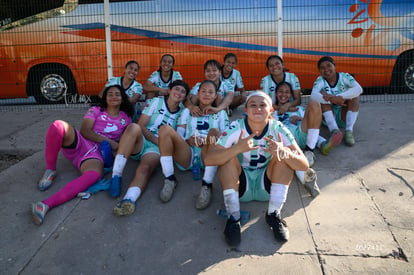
(47, 238)
(401, 255)
(402, 178)
(315, 245)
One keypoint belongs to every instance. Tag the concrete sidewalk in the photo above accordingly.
(362, 223)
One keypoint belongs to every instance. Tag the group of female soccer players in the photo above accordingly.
(255, 157)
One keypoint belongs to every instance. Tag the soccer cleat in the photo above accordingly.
(204, 198)
(39, 210)
(232, 232)
(349, 138)
(279, 226)
(124, 208)
(333, 141)
(310, 183)
(46, 181)
(115, 186)
(167, 190)
(310, 156)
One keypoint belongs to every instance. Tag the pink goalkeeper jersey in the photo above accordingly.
(106, 125)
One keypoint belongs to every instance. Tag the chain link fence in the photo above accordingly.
(54, 54)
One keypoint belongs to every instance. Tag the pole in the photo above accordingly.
(108, 38)
(279, 29)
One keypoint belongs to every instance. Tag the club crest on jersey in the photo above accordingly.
(224, 134)
(91, 111)
(123, 121)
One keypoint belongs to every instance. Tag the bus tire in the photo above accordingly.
(403, 74)
(51, 83)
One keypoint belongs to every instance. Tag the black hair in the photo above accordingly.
(325, 58)
(284, 83)
(167, 54)
(126, 106)
(131, 62)
(228, 55)
(271, 57)
(182, 83)
(208, 81)
(280, 85)
(170, 55)
(212, 62)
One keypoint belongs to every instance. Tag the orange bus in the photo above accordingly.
(62, 52)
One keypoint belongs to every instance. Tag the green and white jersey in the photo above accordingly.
(134, 88)
(234, 80)
(222, 90)
(199, 126)
(156, 79)
(285, 118)
(157, 110)
(258, 158)
(344, 82)
(269, 85)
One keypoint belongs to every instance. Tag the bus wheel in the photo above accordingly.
(403, 75)
(50, 84)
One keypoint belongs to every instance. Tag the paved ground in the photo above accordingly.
(362, 223)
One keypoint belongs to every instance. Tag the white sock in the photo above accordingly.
(167, 166)
(119, 165)
(301, 176)
(133, 193)
(209, 174)
(351, 118)
(312, 138)
(232, 203)
(320, 140)
(330, 121)
(278, 194)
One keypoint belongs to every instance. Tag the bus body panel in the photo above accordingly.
(364, 37)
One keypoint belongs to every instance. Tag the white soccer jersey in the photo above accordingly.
(285, 118)
(222, 90)
(156, 79)
(200, 126)
(134, 88)
(343, 83)
(269, 85)
(259, 158)
(234, 80)
(157, 110)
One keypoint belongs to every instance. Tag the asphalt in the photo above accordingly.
(362, 223)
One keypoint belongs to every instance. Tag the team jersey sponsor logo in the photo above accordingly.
(202, 125)
(110, 128)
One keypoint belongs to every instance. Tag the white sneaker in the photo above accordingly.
(310, 183)
(167, 190)
(46, 181)
(310, 156)
(204, 197)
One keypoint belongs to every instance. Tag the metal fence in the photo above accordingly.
(72, 47)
